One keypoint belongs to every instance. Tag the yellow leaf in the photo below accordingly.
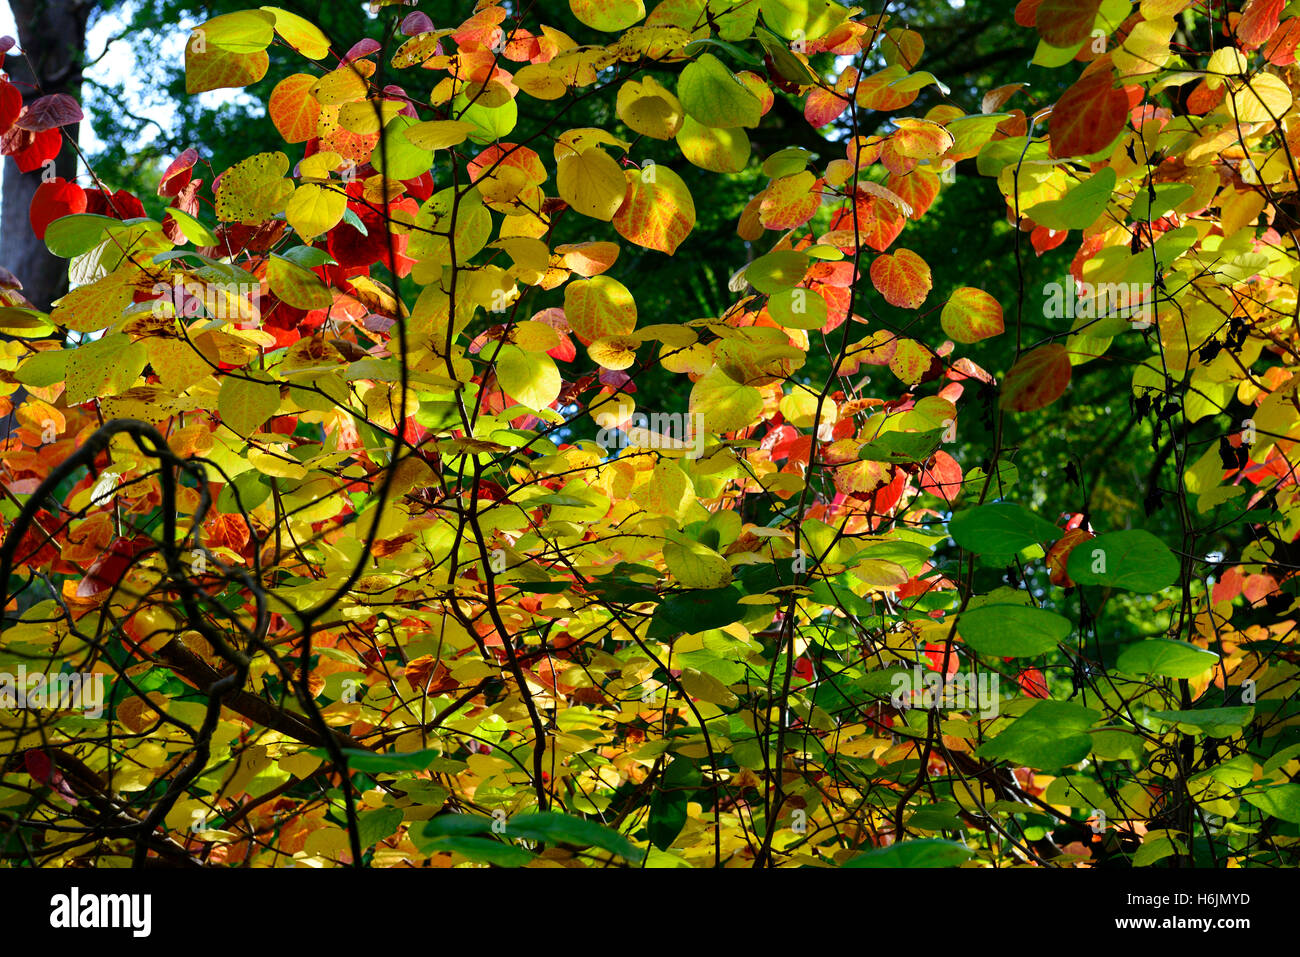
(650, 109)
(105, 367)
(529, 377)
(439, 134)
(1261, 99)
(598, 307)
(301, 34)
(314, 209)
(725, 404)
(695, 565)
(245, 405)
(254, 190)
(704, 686)
(591, 181)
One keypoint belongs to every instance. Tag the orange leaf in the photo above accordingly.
(1258, 20)
(657, 211)
(903, 278)
(294, 111)
(790, 201)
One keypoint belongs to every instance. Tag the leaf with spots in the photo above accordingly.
(254, 190)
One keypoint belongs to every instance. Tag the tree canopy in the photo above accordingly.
(711, 433)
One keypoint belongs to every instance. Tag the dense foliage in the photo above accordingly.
(427, 489)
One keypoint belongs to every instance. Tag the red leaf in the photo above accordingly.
(1043, 239)
(1038, 379)
(1027, 12)
(119, 205)
(38, 765)
(360, 49)
(879, 221)
(1091, 113)
(935, 652)
(11, 104)
(178, 174)
(1059, 554)
(1033, 683)
(50, 112)
(416, 23)
(53, 199)
(31, 150)
(943, 477)
(1258, 21)
(1280, 49)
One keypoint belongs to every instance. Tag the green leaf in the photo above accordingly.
(70, 236)
(1000, 528)
(1281, 801)
(1214, 722)
(1134, 560)
(1163, 656)
(1014, 631)
(712, 94)
(1078, 208)
(1049, 736)
(490, 122)
(553, 827)
(192, 229)
(923, 852)
(696, 610)
(253, 489)
(369, 762)
(378, 825)
(245, 405)
(396, 155)
(310, 256)
(901, 446)
(777, 270)
(668, 805)
(786, 162)
(482, 850)
(44, 368)
(1168, 195)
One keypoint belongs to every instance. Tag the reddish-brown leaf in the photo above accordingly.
(1063, 23)
(1091, 113)
(1037, 380)
(50, 112)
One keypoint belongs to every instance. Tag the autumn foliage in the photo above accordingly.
(401, 536)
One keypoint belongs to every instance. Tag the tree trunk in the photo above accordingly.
(52, 35)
